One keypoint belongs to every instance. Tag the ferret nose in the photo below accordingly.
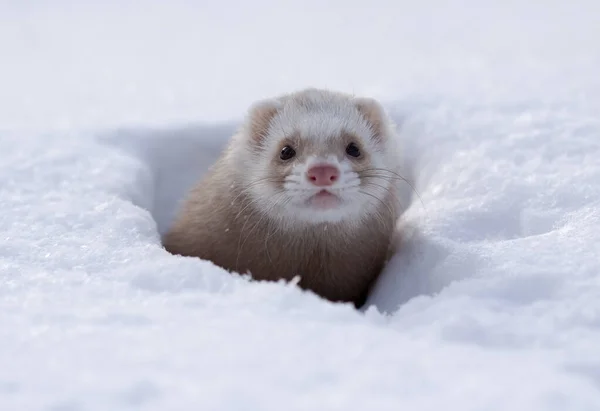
(323, 175)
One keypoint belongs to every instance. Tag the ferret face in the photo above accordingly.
(319, 159)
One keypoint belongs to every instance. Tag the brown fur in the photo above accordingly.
(260, 116)
(372, 111)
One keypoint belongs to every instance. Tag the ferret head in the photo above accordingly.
(317, 157)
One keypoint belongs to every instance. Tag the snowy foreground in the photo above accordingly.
(108, 114)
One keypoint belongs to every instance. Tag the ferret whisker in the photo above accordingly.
(379, 169)
(395, 176)
(275, 203)
(387, 190)
(346, 187)
(239, 247)
(384, 169)
(240, 244)
(267, 237)
(247, 187)
(250, 202)
(276, 229)
(247, 190)
(380, 200)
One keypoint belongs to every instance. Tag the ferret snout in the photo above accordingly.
(322, 175)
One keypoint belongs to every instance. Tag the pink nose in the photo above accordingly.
(323, 175)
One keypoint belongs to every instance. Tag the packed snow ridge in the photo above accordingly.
(491, 302)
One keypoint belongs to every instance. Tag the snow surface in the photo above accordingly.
(109, 111)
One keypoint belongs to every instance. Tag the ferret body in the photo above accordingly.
(307, 187)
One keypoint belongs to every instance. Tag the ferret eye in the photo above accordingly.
(353, 150)
(287, 153)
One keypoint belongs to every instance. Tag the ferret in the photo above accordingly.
(305, 188)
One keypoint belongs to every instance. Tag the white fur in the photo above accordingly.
(299, 190)
(315, 115)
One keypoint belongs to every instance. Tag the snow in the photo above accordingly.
(108, 112)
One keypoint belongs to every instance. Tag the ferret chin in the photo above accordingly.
(307, 187)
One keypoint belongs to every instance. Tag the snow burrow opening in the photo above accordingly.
(172, 158)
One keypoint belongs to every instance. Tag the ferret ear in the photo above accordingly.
(259, 118)
(375, 115)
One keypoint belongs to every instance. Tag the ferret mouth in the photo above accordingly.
(324, 200)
